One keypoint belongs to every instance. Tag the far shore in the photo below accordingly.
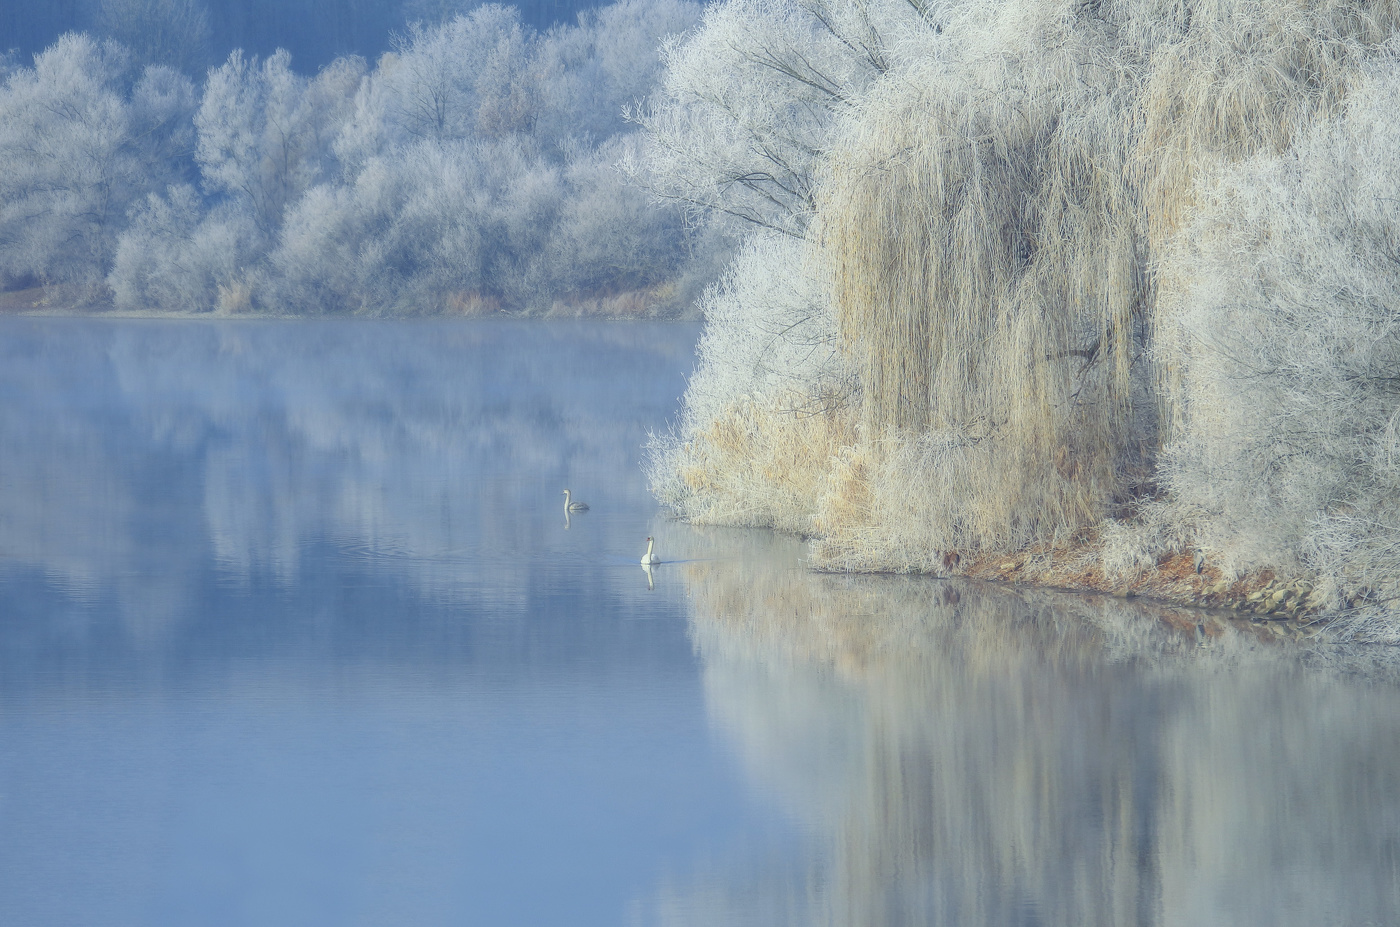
(62, 301)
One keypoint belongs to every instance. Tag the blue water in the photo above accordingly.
(294, 630)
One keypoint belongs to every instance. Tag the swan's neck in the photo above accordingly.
(649, 543)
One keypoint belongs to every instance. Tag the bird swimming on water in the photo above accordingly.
(649, 558)
(574, 506)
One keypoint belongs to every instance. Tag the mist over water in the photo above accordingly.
(293, 630)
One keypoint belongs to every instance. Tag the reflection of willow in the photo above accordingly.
(974, 755)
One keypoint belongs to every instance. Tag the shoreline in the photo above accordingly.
(1262, 602)
(1269, 603)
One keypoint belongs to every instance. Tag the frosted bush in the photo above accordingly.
(769, 333)
(762, 413)
(70, 161)
(404, 236)
(176, 257)
(608, 234)
(1286, 335)
(331, 252)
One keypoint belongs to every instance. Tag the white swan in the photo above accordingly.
(649, 558)
(573, 506)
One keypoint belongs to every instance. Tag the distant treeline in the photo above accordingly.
(478, 165)
(194, 34)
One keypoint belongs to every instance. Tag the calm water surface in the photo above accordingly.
(293, 630)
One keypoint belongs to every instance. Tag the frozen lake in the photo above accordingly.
(294, 630)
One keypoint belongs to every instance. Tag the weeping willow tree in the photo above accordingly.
(992, 217)
(987, 274)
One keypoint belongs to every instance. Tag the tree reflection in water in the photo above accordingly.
(966, 754)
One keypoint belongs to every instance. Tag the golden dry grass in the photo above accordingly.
(235, 298)
(762, 464)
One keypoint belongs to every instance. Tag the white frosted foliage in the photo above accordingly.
(770, 335)
(76, 149)
(1287, 339)
(750, 97)
(768, 371)
(478, 167)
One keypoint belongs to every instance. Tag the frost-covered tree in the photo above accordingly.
(526, 193)
(751, 96)
(998, 210)
(535, 123)
(262, 136)
(9, 63)
(1286, 334)
(591, 73)
(162, 108)
(982, 233)
(475, 166)
(435, 12)
(467, 78)
(473, 224)
(265, 132)
(78, 145)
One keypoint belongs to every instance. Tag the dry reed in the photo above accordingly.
(981, 233)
